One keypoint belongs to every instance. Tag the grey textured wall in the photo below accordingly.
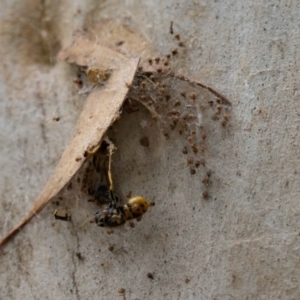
(241, 243)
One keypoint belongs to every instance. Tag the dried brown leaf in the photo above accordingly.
(101, 109)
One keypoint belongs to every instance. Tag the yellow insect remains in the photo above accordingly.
(116, 215)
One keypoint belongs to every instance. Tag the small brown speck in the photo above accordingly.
(181, 44)
(195, 149)
(167, 136)
(109, 231)
(122, 291)
(78, 82)
(174, 112)
(150, 61)
(190, 139)
(183, 94)
(175, 119)
(190, 160)
(187, 280)
(205, 181)
(111, 248)
(191, 117)
(131, 224)
(144, 141)
(56, 119)
(184, 150)
(171, 27)
(202, 162)
(157, 60)
(193, 96)
(78, 158)
(197, 163)
(177, 37)
(226, 117)
(174, 52)
(147, 237)
(150, 276)
(192, 170)
(168, 97)
(79, 255)
(205, 195)
(216, 118)
(286, 184)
